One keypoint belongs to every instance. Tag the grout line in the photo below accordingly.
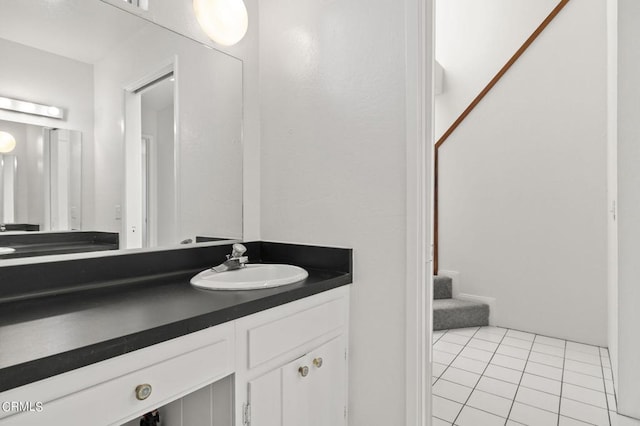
(480, 378)
(585, 363)
(613, 380)
(562, 381)
(583, 403)
(519, 402)
(446, 421)
(513, 402)
(438, 339)
(578, 420)
(556, 338)
(546, 365)
(519, 347)
(606, 397)
(476, 408)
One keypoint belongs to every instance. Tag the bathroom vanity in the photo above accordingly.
(130, 335)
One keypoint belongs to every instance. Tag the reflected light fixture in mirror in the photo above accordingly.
(7, 142)
(31, 108)
(224, 21)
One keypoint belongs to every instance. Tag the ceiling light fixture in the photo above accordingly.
(224, 21)
(7, 142)
(31, 108)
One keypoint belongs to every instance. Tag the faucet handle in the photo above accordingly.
(238, 250)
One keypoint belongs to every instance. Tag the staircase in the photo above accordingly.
(454, 313)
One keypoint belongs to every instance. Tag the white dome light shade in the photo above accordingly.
(7, 142)
(224, 21)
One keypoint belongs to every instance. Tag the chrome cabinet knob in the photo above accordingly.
(317, 362)
(143, 391)
(304, 371)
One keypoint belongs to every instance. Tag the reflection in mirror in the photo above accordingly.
(62, 177)
(155, 160)
(40, 179)
(157, 192)
(8, 170)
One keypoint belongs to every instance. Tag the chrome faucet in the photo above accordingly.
(235, 260)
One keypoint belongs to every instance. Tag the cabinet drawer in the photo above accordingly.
(282, 335)
(114, 401)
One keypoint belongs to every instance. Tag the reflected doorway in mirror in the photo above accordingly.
(150, 145)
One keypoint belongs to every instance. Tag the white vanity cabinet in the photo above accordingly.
(285, 366)
(295, 369)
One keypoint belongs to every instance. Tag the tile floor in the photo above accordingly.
(487, 376)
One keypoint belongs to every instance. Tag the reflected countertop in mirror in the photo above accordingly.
(149, 145)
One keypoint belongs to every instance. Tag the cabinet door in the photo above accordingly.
(265, 396)
(328, 393)
(319, 397)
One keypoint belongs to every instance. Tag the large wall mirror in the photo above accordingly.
(116, 126)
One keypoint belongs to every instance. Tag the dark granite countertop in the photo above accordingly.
(50, 334)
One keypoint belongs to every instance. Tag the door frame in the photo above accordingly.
(148, 191)
(419, 89)
(131, 234)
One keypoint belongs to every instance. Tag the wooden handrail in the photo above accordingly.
(556, 10)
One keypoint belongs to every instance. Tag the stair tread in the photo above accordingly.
(455, 303)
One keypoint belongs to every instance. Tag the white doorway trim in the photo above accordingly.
(149, 189)
(419, 124)
(131, 235)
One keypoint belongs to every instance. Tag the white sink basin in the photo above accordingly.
(251, 277)
(6, 250)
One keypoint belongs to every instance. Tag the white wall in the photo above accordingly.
(474, 39)
(523, 193)
(42, 77)
(628, 132)
(333, 168)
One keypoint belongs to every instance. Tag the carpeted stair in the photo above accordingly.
(454, 313)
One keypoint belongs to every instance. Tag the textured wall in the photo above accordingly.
(334, 168)
(474, 39)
